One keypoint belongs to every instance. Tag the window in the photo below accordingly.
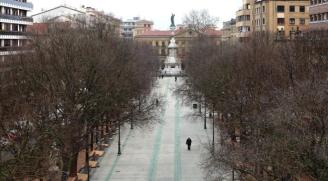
(291, 8)
(263, 21)
(7, 27)
(263, 9)
(281, 21)
(7, 11)
(15, 27)
(15, 12)
(302, 9)
(280, 9)
(7, 43)
(15, 43)
(302, 21)
(292, 21)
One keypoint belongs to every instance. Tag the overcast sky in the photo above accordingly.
(158, 11)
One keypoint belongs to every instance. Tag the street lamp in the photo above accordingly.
(132, 117)
(119, 138)
(213, 129)
(205, 114)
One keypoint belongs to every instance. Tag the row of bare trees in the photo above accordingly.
(273, 100)
(74, 84)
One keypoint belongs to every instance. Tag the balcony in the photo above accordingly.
(14, 33)
(10, 49)
(243, 34)
(17, 18)
(243, 12)
(243, 23)
(17, 4)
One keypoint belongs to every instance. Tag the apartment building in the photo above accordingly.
(283, 17)
(229, 30)
(319, 14)
(128, 26)
(133, 27)
(142, 26)
(13, 26)
(244, 19)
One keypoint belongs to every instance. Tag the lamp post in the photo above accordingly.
(205, 127)
(119, 138)
(132, 117)
(213, 141)
(87, 152)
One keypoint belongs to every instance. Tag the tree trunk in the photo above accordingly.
(102, 131)
(91, 140)
(73, 164)
(107, 128)
(87, 155)
(200, 105)
(97, 134)
(139, 104)
(66, 162)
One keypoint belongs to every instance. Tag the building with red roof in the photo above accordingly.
(160, 39)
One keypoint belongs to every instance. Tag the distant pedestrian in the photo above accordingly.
(188, 142)
(157, 102)
(176, 78)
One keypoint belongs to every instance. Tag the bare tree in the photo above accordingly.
(271, 95)
(200, 21)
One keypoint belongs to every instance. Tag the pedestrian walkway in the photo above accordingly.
(159, 152)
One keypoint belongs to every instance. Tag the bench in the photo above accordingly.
(93, 164)
(82, 177)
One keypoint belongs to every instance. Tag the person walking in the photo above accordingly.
(188, 142)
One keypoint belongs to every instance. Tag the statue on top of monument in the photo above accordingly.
(172, 20)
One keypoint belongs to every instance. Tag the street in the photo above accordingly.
(159, 152)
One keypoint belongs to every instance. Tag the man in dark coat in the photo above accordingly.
(188, 142)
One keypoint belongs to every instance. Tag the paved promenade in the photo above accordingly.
(159, 152)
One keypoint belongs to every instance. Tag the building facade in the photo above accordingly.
(142, 26)
(160, 40)
(319, 14)
(136, 26)
(72, 17)
(13, 24)
(244, 19)
(284, 17)
(229, 30)
(59, 11)
(128, 26)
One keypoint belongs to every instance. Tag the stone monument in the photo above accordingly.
(172, 62)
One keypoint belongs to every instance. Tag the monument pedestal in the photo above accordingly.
(172, 62)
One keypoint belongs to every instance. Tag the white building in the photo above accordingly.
(59, 11)
(128, 26)
(13, 26)
(73, 16)
(134, 27)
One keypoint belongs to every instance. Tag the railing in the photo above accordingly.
(18, 3)
(8, 48)
(17, 33)
(17, 18)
